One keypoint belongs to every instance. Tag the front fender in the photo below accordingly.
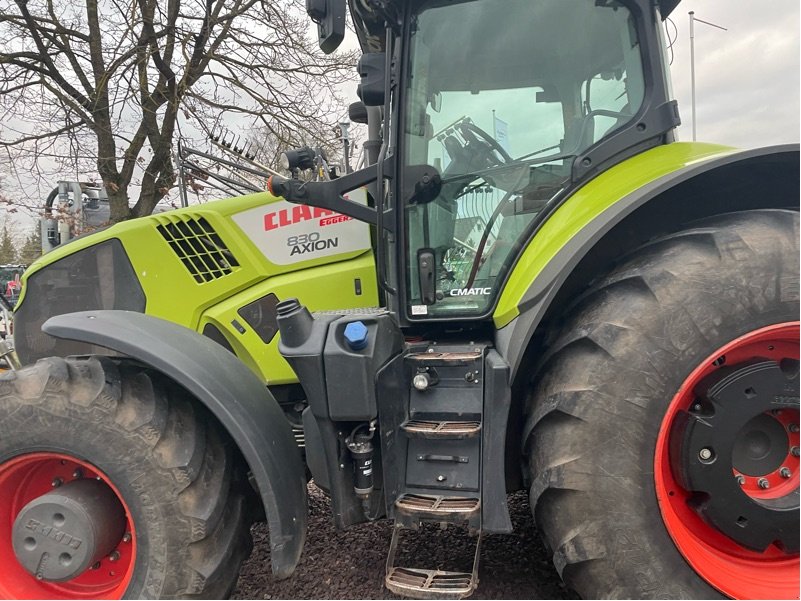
(236, 397)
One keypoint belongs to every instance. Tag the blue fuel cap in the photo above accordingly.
(356, 335)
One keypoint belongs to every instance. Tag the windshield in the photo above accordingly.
(500, 95)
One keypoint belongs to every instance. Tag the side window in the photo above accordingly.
(613, 95)
(608, 100)
(518, 119)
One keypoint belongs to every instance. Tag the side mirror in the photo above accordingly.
(330, 18)
(422, 184)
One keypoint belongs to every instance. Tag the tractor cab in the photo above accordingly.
(494, 112)
(502, 103)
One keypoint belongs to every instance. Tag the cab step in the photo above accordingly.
(449, 358)
(438, 508)
(420, 583)
(441, 430)
(429, 584)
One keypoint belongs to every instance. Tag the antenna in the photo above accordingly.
(692, 57)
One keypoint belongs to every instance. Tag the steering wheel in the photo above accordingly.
(608, 113)
(487, 149)
(588, 121)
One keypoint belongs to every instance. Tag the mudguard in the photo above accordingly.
(220, 381)
(588, 219)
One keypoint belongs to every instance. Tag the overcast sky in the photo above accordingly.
(746, 78)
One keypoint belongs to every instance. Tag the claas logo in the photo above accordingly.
(299, 214)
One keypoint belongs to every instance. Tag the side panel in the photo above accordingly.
(584, 232)
(168, 250)
(174, 292)
(287, 233)
(198, 267)
(343, 285)
(232, 393)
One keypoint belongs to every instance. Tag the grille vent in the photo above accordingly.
(200, 248)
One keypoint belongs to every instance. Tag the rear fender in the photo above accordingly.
(235, 396)
(546, 279)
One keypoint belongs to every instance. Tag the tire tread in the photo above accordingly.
(572, 410)
(197, 469)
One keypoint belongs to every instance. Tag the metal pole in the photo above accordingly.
(692, 56)
(345, 133)
(692, 65)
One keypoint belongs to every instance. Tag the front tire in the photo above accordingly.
(162, 458)
(607, 442)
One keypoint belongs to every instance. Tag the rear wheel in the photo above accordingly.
(113, 484)
(663, 426)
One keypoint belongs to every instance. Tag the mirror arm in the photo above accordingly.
(330, 194)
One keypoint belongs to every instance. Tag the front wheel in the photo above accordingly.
(663, 425)
(114, 484)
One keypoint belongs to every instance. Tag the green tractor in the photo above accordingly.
(531, 285)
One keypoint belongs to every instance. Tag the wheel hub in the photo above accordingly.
(62, 533)
(761, 446)
(732, 444)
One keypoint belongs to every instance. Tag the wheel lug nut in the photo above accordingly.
(705, 454)
(126, 538)
(763, 483)
(785, 472)
(794, 451)
(697, 407)
(740, 479)
(57, 482)
(78, 473)
(793, 428)
(114, 556)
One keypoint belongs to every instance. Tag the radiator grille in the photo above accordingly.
(199, 247)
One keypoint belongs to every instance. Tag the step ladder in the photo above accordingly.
(441, 437)
(419, 583)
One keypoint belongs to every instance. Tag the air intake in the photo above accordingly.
(200, 248)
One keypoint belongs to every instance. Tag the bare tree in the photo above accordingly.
(100, 85)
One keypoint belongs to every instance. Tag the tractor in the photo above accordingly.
(530, 285)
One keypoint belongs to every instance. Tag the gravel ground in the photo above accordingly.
(350, 564)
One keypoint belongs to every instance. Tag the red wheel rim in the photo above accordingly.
(29, 476)
(732, 569)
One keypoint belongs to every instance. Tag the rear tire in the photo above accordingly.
(602, 392)
(171, 467)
